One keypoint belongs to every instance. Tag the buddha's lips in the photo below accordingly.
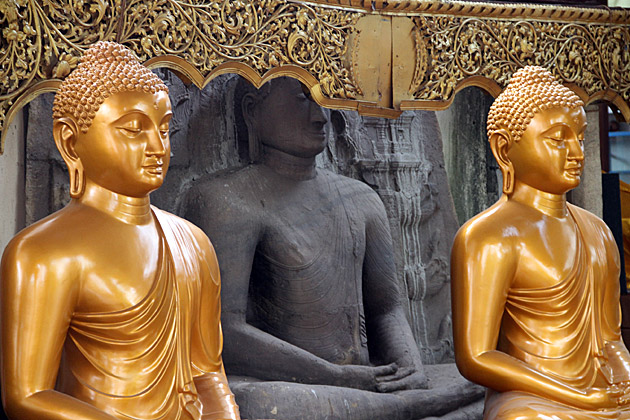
(154, 169)
(574, 170)
(318, 134)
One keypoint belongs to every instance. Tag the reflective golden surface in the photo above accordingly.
(535, 286)
(624, 193)
(110, 307)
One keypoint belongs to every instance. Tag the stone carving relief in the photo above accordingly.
(402, 161)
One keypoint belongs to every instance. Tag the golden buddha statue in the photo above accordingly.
(110, 307)
(535, 280)
(624, 195)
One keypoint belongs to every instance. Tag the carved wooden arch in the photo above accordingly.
(379, 57)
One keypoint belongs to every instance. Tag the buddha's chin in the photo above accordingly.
(573, 179)
(153, 178)
(147, 186)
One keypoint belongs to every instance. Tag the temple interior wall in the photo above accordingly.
(473, 173)
(12, 181)
(589, 194)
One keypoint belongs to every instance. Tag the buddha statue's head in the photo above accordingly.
(110, 123)
(281, 115)
(536, 131)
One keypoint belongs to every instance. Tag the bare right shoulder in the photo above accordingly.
(493, 235)
(45, 246)
(493, 224)
(224, 190)
(230, 197)
(485, 254)
(229, 209)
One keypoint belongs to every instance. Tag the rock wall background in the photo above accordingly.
(473, 173)
(402, 160)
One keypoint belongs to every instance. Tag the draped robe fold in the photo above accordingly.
(561, 331)
(139, 363)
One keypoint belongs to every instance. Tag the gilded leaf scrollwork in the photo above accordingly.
(262, 34)
(43, 40)
(593, 56)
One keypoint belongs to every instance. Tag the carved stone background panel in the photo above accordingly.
(400, 159)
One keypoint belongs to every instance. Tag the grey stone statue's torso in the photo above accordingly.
(306, 282)
(306, 277)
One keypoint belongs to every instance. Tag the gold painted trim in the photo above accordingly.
(412, 8)
(43, 40)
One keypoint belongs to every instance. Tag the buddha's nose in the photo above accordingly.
(576, 150)
(318, 114)
(156, 145)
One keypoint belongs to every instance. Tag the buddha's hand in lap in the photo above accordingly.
(387, 378)
(603, 398)
(364, 377)
(621, 392)
(403, 379)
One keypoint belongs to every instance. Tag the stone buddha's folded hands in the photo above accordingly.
(363, 377)
(404, 378)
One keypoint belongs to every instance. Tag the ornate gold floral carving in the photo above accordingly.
(262, 34)
(42, 40)
(593, 57)
(456, 43)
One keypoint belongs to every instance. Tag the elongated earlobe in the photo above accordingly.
(500, 142)
(65, 133)
(248, 108)
(508, 180)
(253, 144)
(77, 180)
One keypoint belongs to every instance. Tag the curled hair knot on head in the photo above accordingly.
(105, 69)
(530, 90)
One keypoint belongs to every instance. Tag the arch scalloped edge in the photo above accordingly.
(189, 74)
(487, 85)
(491, 87)
(43, 86)
(607, 95)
